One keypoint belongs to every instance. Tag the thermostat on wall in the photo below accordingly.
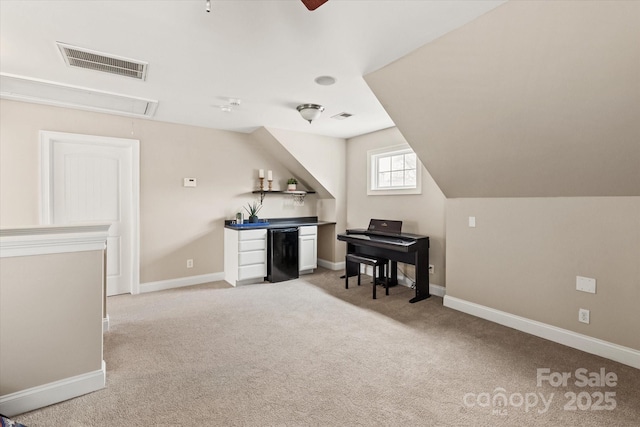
(189, 182)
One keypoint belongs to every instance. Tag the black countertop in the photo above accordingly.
(276, 223)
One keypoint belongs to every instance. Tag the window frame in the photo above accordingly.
(372, 172)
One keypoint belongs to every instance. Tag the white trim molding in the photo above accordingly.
(105, 324)
(372, 171)
(436, 290)
(618, 353)
(47, 141)
(180, 282)
(55, 392)
(330, 265)
(53, 239)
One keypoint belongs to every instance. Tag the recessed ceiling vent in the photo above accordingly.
(342, 116)
(85, 58)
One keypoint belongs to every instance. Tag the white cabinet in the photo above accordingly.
(245, 256)
(307, 248)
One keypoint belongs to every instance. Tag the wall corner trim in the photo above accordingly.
(615, 352)
(105, 324)
(55, 392)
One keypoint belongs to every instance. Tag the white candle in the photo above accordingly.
(261, 173)
(269, 176)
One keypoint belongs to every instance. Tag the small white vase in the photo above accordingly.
(291, 187)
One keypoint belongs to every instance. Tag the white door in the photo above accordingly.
(91, 180)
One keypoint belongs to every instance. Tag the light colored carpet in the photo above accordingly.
(308, 352)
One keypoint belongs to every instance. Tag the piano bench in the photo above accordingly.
(380, 263)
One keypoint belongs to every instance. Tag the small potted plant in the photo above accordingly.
(291, 184)
(253, 209)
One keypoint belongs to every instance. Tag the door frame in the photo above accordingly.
(47, 139)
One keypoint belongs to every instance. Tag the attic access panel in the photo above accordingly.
(51, 93)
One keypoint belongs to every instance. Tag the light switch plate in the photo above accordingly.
(586, 284)
(472, 221)
(189, 182)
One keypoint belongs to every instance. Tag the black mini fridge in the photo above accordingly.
(282, 254)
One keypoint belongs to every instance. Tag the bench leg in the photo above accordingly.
(386, 285)
(386, 280)
(374, 282)
(346, 274)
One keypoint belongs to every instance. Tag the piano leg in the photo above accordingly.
(393, 275)
(422, 279)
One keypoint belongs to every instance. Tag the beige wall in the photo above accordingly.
(421, 214)
(323, 160)
(524, 254)
(50, 321)
(176, 223)
(532, 99)
(527, 118)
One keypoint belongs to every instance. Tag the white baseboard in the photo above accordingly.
(330, 265)
(105, 324)
(618, 353)
(180, 282)
(55, 392)
(403, 280)
(437, 290)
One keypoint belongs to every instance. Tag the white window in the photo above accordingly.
(393, 170)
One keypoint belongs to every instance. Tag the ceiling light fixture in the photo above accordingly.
(310, 112)
(208, 5)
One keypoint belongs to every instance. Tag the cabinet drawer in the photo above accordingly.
(308, 230)
(253, 257)
(252, 245)
(252, 271)
(253, 234)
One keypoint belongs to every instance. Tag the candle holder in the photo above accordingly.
(270, 183)
(262, 184)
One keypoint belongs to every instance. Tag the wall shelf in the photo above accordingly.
(298, 193)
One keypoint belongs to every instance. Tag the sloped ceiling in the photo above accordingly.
(267, 142)
(533, 99)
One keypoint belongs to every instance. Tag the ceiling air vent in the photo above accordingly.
(85, 58)
(342, 116)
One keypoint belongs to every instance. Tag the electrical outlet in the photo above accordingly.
(189, 263)
(583, 315)
(432, 269)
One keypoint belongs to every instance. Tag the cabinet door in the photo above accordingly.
(307, 253)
